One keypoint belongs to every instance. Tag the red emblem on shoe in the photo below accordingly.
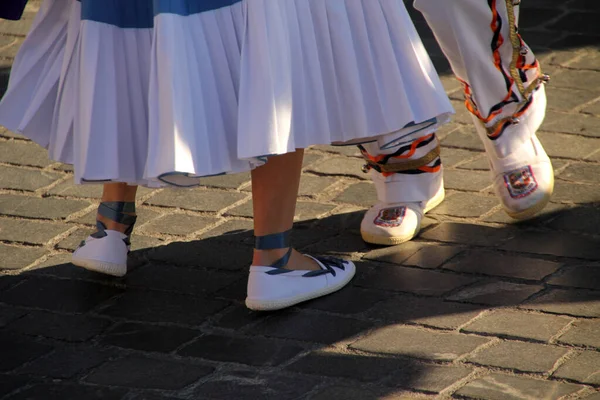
(390, 217)
(520, 182)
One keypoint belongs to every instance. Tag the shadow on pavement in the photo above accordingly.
(399, 325)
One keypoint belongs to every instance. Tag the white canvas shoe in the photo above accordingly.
(106, 250)
(272, 288)
(391, 224)
(524, 180)
(522, 173)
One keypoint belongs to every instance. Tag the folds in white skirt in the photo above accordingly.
(215, 92)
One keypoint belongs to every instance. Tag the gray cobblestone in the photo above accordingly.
(33, 207)
(18, 257)
(26, 179)
(414, 342)
(583, 333)
(584, 367)
(33, 232)
(509, 323)
(505, 387)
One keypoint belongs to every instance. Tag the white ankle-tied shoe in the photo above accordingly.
(274, 287)
(106, 250)
(408, 180)
(522, 173)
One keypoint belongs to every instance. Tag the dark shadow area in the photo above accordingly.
(397, 326)
(4, 75)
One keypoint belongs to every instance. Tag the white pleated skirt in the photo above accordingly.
(165, 92)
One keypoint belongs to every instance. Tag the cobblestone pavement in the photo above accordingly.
(477, 307)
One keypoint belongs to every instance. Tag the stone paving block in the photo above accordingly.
(311, 158)
(344, 166)
(68, 188)
(582, 276)
(593, 396)
(496, 293)
(144, 214)
(412, 280)
(235, 230)
(205, 253)
(66, 362)
(580, 172)
(575, 193)
(163, 307)
(70, 328)
(345, 219)
(432, 256)
(568, 146)
(347, 392)
(584, 367)
(453, 156)
(25, 179)
(59, 294)
(395, 254)
(348, 151)
(48, 391)
(196, 200)
(425, 311)
(9, 314)
(315, 185)
(419, 343)
(464, 138)
(8, 281)
(505, 387)
(352, 366)
(32, 232)
(427, 378)
(578, 219)
(563, 99)
(18, 257)
(509, 323)
(24, 153)
(551, 211)
(583, 333)
(150, 338)
(580, 303)
(577, 124)
(180, 279)
(465, 205)
(9, 383)
(593, 108)
(74, 239)
(478, 164)
(244, 350)
(251, 385)
(17, 350)
(60, 265)
(342, 244)
(350, 300)
(301, 326)
(229, 181)
(179, 224)
(555, 243)
(473, 181)
(148, 373)
(360, 194)
(526, 357)
(237, 317)
(33, 207)
(500, 264)
(470, 234)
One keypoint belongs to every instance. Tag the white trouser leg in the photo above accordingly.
(406, 170)
(503, 91)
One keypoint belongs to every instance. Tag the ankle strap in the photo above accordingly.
(114, 210)
(273, 241)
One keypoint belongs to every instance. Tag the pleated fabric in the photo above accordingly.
(164, 92)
